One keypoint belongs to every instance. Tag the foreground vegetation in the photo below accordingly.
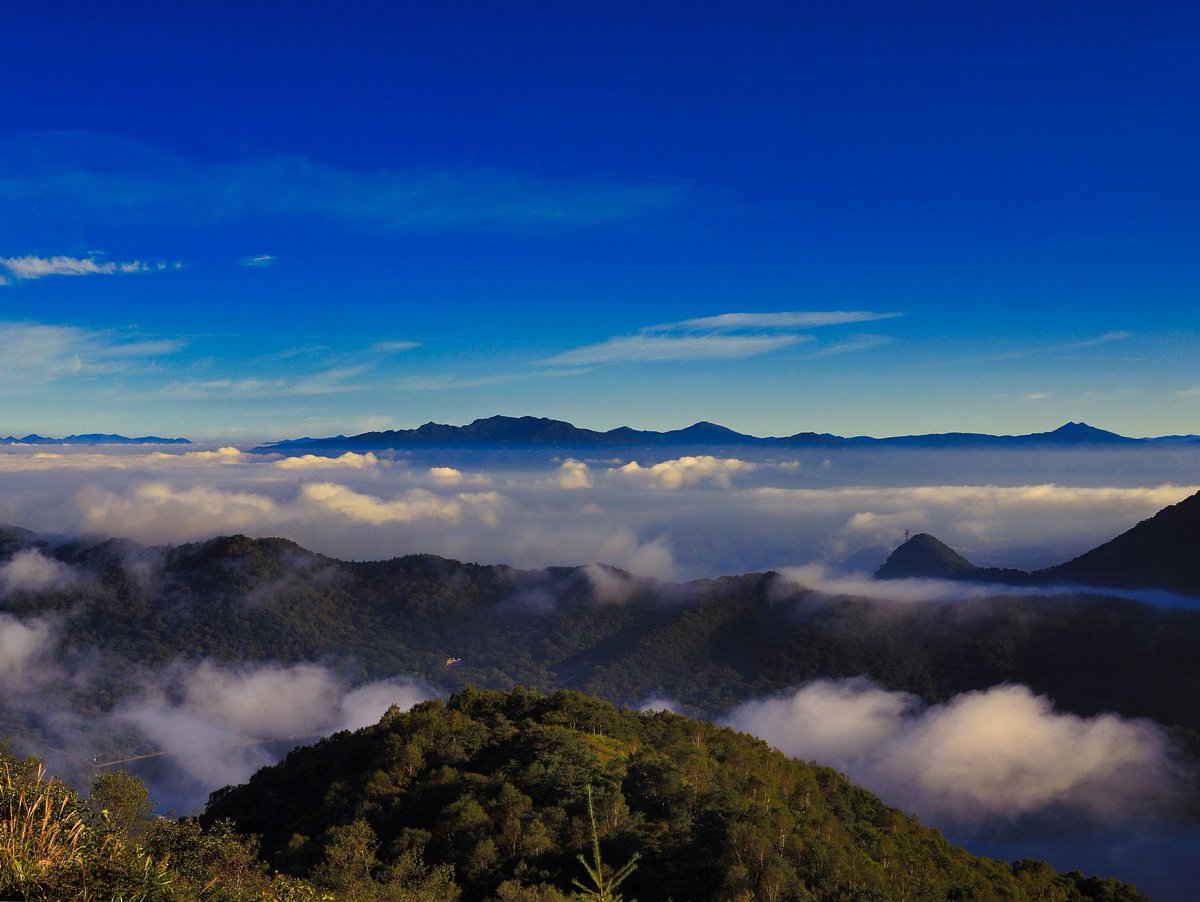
(494, 796)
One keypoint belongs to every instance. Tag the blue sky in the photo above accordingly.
(261, 220)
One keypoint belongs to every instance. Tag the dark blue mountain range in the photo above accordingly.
(92, 438)
(540, 432)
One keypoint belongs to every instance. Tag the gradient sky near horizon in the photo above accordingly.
(261, 220)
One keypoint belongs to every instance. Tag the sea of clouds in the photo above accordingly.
(681, 516)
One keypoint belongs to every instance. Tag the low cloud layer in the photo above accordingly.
(32, 571)
(687, 471)
(664, 515)
(218, 722)
(188, 727)
(981, 761)
(23, 647)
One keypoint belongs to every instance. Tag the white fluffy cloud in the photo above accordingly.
(215, 719)
(349, 460)
(22, 644)
(574, 474)
(981, 759)
(687, 471)
(32, 571)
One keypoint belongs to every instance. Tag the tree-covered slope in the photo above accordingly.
(496, 786)
(707, 644)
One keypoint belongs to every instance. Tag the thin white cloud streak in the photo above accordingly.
(855, 343)
(649, 348)
(980, 760)
(393, 347)
(34, 461)
(259, 260)
(1106, 338)
(335, 381)
(30, 268)
(830, 582)
(724, 336)
(794, 319)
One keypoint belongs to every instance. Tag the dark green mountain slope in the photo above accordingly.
(495, 785)
(1163, 552)
(709, 644)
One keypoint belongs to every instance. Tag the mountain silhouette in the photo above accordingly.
(925, 556)
(1162, 552)
(541, 432)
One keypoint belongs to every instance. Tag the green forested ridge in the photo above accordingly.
(489, 796)
(496, 785)
(707, 644)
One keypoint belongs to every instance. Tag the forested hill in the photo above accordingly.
(496, 786)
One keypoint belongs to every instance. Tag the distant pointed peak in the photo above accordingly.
(926, 556)
(1081, 428)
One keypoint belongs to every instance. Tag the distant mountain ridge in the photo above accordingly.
(93, 438)
(510, 432)
(1162, 552)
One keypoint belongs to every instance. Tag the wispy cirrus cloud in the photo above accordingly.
(31, 267)
(792, 319)
(858, 342)
(259, 260)
(393, 347)
(318, 374)
(322, 382)
(102, 177)
(724, 336)
(1106, 338)
(35, 353)
(631, 348)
